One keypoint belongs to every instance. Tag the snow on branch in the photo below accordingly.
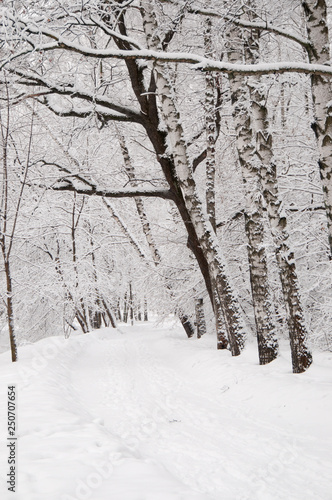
(66, 185)
(198, 62)
(101, 104)
(88, 187)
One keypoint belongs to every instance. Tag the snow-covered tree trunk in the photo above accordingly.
(211, 136)
(263, 151)
(187, 324)
(319, 53)
(139, 201)
(82, 314)
(200, 317)
(210, 127)
(3, 245)
(131, 304)
(146, 314)
(10, 310)
(6, 233)
(254, 222)
(301, 357)
(186, 183)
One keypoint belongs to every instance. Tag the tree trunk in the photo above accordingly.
(319, 53)
(200, 318)
(108, 312)
(222, 342)
(254, 221)
(185, 184)
(139, 201)
(210, 127)
(118, 314)
(139, 311)
(95, 313)
(187, 324)
(301, 356)
(131, 304)
(4, 217)
(125, 308)
(146, 314)
(211, 137)
(10, 311)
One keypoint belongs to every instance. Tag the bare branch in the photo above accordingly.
(196, 61)
(66, 185)
(99, 102)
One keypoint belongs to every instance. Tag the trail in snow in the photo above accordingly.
(146, 414)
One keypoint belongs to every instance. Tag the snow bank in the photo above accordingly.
(146, 414)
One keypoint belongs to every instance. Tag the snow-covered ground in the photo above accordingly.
(143, 413)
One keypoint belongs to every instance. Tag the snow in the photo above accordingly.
(143, 413)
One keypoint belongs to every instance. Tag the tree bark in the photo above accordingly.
(6, 248)
(131, 304)
(146, 314)
(211, 137)
(187, 324)
(263, 151)
(125, 308)
(254, 222)
(138, 201)
(301, 356)
(10, 311)
(200, 318)
(210, 127)
(185, 184)
(315, 12)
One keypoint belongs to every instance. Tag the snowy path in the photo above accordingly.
(148, 415)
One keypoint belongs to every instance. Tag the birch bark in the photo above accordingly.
(263, 154)
(200, 318)
(210, 126)
(211, 135)
(139, 201)
(186, 183)
(315, 12)
(254, 223)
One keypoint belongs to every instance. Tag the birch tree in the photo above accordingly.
(315, 12)
(212, 114)
(258, 166)
(254, 221)
(186, 183)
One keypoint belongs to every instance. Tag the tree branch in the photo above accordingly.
(196, 61)
(99, 102)
(114, 193)
(199, 62)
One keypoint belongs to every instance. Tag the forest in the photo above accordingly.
(169, 158)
